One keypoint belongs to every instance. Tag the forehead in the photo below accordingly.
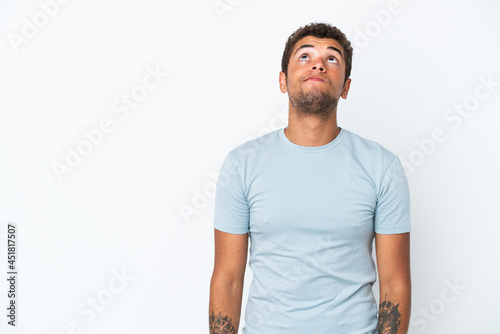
(317, 42)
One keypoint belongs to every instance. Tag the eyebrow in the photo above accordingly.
(312, 46)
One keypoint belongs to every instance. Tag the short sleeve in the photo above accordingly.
(392, 212)
(231, 211)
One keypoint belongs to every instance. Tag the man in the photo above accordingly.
(311, 198)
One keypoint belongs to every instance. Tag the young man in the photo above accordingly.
(311, 198)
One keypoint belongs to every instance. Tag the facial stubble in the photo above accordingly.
(316, 102)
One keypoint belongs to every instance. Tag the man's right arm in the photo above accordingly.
(226, 285)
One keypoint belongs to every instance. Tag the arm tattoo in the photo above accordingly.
(220, 325)
(389, 317)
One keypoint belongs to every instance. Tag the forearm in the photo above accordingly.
(394, 309)
(225, 306)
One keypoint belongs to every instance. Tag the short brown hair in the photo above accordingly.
(319, 30)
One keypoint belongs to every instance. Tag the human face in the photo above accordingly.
(316, 73)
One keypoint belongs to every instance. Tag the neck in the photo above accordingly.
(310, 130)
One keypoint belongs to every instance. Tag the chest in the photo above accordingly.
(315, 195)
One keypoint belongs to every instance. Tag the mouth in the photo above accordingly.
(314, 78)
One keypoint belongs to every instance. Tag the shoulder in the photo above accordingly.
(368, 149)
(374, 158)
(252, 151)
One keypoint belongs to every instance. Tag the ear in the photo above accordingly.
(282, 81)
(347, 84)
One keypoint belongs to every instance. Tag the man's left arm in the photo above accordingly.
(393, 264)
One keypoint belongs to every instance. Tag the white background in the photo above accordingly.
(120, 208)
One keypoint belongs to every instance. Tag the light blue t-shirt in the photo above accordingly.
(311, 214)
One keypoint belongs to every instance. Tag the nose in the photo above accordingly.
(319, 65)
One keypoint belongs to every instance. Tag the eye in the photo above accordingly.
(333, 58)
(304, 55)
